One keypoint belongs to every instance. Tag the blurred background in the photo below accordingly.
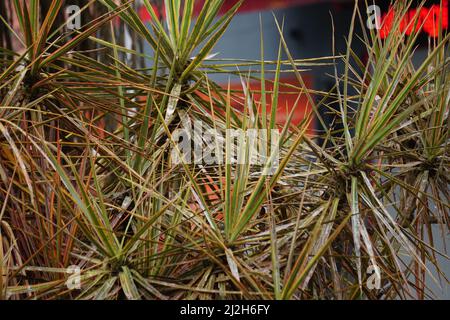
(311, 28)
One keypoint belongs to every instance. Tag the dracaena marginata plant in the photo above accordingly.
(93, 206)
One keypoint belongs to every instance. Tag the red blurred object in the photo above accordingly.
(428, 16)
(287, 98)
